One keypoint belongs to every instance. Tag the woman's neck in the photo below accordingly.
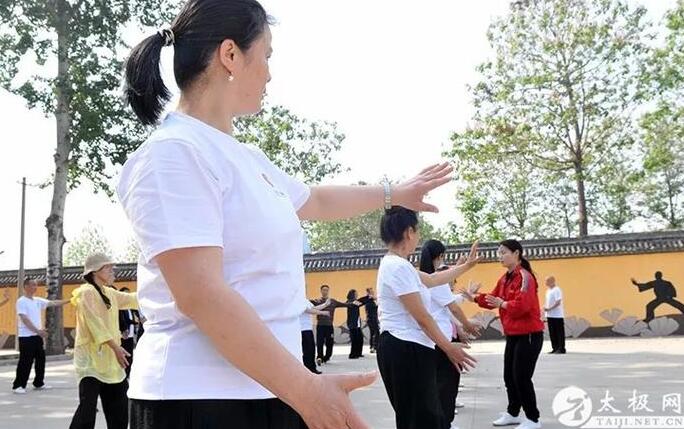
(203, 108)
(399, 250)
(513, 267)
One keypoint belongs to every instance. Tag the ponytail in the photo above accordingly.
(527, 266)
(428, 253)
(144, 87)
(196, 32)
(90, 279)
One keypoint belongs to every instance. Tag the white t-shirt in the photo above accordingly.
(305, 322)
(441, 298)
(191, 185)
(397, 277)
(32, 309)
(552, 296)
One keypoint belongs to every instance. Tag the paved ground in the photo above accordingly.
(652, 366)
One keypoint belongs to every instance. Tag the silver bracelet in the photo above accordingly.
(388, 193)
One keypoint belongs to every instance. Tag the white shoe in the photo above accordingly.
(43, 387)
(529, 424)
(460, 404)
(507, 420)
(19, 391)
(453, 426)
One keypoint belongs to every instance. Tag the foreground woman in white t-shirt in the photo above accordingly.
(221, 277)
(406, 353)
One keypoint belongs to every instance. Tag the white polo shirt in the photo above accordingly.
(553, 296)
(32, 309)
(191, 185)
(397, 277)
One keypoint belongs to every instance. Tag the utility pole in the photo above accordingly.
(20, 275)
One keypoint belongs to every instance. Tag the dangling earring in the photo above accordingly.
(230, 78)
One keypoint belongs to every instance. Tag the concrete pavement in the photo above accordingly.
(652, 366)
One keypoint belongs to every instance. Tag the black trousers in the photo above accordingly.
(309, 350)
(557, 333)
(356, 337)
(651, 306)
(114, 404)
(448, 379)
(128, 344)
(214, 414)
(409, 373)
(30, 350)
(324, 336)
(374, 327)
(520, 360)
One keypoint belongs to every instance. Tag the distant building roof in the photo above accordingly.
(593, 246)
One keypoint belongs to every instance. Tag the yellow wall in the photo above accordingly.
(590, 285)
(8, 315)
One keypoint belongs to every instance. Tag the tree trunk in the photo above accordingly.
(55, 222)
(583, 220)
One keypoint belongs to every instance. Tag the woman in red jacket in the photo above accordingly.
(515, 296)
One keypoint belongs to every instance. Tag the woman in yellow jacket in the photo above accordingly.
(99, 359)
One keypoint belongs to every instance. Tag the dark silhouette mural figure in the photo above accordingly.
(665, 293)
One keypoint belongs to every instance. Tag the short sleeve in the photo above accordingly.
(403, 280)
(21, 307)
(559, 294)
(297, 191)
(42, 302)
(171, 198)
(442, 295)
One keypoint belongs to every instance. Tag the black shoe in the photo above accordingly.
(553, 352)
(317, 372)
(560, 352)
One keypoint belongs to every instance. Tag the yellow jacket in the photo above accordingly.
(95, 325)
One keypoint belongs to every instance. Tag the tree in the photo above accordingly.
(131, 253)
(301, 147)
(75, 50)
(613, 194)
(90, 240)
(360, 233)
(560, 91)
(663, 128)
(663, 144)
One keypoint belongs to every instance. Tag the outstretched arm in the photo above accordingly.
(342, 202)
(439, 278)
(58, 302)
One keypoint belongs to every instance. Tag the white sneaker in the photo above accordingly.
(507, 420)
(453, 426)
(529, 424)
(43, 387)
(460, 404)
(19, 391)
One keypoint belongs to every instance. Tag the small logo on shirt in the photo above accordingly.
(276, 190)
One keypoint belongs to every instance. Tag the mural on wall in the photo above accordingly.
(665, 293)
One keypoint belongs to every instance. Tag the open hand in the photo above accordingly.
(328, 405)
(411, 193)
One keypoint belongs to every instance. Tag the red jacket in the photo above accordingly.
(521, 315)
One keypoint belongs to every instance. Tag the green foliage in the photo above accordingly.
(360, 233)
(86, 70)
(90, 240)
(558, 94)
(301, 147)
